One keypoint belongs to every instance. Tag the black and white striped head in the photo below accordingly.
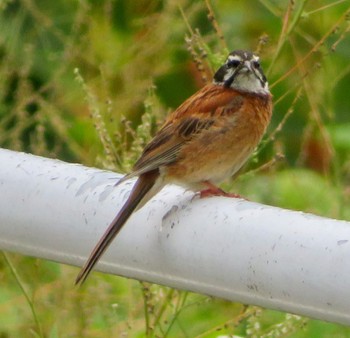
(242, 71)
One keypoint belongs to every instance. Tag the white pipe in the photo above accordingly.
(224, 247)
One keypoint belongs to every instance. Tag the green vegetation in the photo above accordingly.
(90, 81)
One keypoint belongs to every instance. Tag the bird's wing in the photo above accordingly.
(200, 112)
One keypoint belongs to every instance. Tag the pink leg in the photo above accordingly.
(213, 190)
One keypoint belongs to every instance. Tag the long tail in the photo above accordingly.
(143, 185)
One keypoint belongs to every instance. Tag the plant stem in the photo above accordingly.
(25, 293)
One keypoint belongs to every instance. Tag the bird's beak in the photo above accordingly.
(247, 66)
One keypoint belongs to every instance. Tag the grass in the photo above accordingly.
(90, 82)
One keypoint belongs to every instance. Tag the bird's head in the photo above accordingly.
(242, 71)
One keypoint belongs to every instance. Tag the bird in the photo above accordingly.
(208, 138)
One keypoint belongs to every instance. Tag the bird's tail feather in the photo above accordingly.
(142, 186)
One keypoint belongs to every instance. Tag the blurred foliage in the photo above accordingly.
(90, 82)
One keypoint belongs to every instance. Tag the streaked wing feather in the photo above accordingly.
(183, 131)
(148, 163)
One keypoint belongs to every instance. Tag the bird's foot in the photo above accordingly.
(217, 192)
(213, 190)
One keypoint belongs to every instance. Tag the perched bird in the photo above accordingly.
(208, 138)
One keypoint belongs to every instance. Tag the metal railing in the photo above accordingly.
(229, 248)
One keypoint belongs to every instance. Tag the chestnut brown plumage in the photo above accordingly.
(208, 138)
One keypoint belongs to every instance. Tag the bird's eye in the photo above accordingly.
(256, 64)
(233, 63)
